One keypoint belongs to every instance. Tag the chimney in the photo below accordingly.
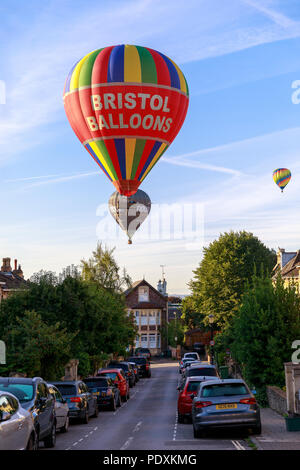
(6, 267)
(16, 262)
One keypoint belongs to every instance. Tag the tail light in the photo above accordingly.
(75, 399)
(248, 401)
(202, 404)
(147, 365)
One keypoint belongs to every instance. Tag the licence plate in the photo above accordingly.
(226, 406)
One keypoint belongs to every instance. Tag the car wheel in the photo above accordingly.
(31, 443)
(95, 415)
(148, 376)
(85, 419)
(119, 402)
(197, 433)
(65, 428)
(50, 441)
(257, 429)
(128, 395)
(113, 405)
(124, 398)
(180, 418)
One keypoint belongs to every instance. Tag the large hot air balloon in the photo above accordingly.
(126, 104)
(282, 177)
(130, 212)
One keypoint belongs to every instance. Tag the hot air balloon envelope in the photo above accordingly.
(129, 212)
(282, 177)
(126, 104)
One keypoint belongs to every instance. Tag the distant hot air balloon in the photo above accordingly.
(126, 104)
(282, 177)
(130, 212)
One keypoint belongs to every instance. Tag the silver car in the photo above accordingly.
(16, 425)
(61, 409)
(226, 404)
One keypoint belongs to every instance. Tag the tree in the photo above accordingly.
(103, 269)
(227, 265)
(36, 348)
(267, 323)
(191, 313)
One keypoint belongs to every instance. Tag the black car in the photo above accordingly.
(143, 365)
(82, 404)
(127, 368)
(105, 391)
(34, 396)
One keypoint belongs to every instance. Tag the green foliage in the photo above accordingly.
(103, 269)
(91, 312)
(220, 279)
(174, 330)
(191, 313)
(37, 348)
(267, 323)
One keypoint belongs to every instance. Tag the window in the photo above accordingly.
(204, 371)
(158, 341)
(143, 294)
(152, 339)
(137, 314)
(24, 392)
(224, 390)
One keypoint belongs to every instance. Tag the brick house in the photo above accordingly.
(288, 264)
(11, 279)
(150, 308)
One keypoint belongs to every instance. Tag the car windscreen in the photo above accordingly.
(112, 375)
(226, 390)
(193, 386)
(205, 371)
(66, 389)
(92, 383)
(24, 392)
(138, 360)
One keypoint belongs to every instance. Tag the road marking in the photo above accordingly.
(127, 443)
(175, 427)
(137, 427)
(75, 444)
(238, 445)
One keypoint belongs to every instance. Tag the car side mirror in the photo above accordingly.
(5, 416)
(64, 400)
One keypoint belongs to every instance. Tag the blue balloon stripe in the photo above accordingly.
(152, 154)
(175, 80)
(115, 71)
(120, 148)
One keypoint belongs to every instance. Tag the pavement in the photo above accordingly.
(274, 435)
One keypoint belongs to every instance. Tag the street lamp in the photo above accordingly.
(211, 321)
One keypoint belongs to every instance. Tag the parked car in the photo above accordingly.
(35, 397)
(135, 370)
(127, 368)
(82, 404)
(226, 403)
(119, 378)
(191, 355)
(61, 409)
(16, 425)
(184, 363)
(143, 364)
(187, 391)
(143, 352)
(105, 391)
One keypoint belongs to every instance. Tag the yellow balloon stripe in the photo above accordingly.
(181, 78)
(99, 155)
(129, 152)
(132, 65)
(74, 83)
(154, 160)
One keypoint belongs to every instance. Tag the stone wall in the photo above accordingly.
(277, 399)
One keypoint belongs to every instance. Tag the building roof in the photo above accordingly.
(143, 282)
(291, 265)
(10, 280)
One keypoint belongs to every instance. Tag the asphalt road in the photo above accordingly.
(148, 421)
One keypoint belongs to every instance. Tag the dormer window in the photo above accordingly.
(144, 294)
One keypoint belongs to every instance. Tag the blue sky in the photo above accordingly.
(240, 58)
